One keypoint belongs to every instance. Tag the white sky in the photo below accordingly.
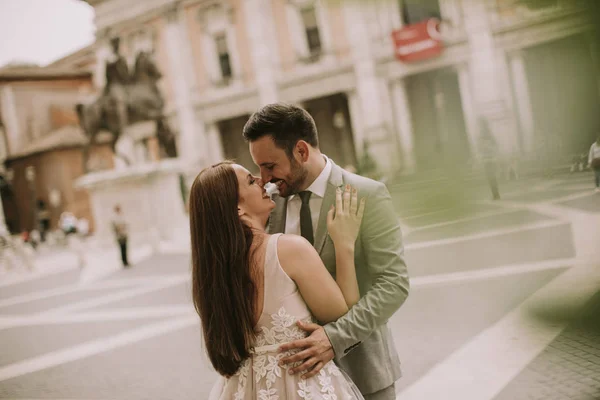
(41, 31)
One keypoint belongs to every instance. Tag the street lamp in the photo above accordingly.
(30, 178)
(3, 184)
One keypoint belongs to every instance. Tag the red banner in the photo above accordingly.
(418, 41)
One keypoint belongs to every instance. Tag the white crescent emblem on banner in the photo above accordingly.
(432, 30)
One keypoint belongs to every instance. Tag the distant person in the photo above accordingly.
(120, 229)
(594, 161)
(43, 216)
(68, 223)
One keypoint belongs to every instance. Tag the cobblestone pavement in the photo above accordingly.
(133, 334)
(569, 368)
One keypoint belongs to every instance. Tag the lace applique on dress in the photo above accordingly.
(265, 366)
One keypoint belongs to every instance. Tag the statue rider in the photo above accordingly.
(117, 79)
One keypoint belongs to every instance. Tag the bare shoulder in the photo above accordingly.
(295, 252)
(290, 246)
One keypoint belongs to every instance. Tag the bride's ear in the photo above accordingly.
(241, 212)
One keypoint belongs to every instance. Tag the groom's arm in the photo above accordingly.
(384, 255)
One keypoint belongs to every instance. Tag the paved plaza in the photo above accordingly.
(500, 308)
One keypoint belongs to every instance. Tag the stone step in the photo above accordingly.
(486, 251)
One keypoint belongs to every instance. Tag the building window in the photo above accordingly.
(224, 57)
(311, 28)
(415, 11)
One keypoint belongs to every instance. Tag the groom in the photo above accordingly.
(284, 144)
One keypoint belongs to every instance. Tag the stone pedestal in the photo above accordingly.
(151, 201)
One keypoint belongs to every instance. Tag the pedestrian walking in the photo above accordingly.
(594, 161)
(119, 225)
(43, 216)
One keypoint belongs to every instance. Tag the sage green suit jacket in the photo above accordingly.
(361, 340)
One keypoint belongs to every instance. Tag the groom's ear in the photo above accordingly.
(302, 150)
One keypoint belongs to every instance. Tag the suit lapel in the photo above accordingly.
(335, 181)
(278, 215)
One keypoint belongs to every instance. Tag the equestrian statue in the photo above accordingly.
(126, 99)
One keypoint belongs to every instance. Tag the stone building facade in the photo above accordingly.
(41, 144)
(529, 68)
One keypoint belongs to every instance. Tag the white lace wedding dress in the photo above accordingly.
(260, 376)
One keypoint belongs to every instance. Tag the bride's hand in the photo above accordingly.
(343, 220)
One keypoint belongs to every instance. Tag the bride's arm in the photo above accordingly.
(302, 264)
(345, 275)
(327, 299)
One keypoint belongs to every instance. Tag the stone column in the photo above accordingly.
(403, 122)
(369, 87)
(357, 121)
(192, 142)
(487, 75)
(263, 57)
(3, 156)
(468, 106)
(213, 137)
(3, 227)
(8, 110)
(524, 109)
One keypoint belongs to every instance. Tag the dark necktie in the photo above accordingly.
(306, 228)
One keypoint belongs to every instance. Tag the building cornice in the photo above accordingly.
(42, 74)
(115, 15)
(544, 30)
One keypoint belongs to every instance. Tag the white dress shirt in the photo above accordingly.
(317, 188)
(594, 153)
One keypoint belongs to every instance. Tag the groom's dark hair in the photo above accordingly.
(286, 123)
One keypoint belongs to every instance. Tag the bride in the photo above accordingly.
(250, 288)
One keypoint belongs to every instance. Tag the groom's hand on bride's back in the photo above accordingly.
(315, 351)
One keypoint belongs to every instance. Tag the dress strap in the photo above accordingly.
(270, 268)
(271, 252)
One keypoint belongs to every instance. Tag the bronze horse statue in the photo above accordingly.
(125, 101)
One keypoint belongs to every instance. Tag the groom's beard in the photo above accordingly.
(296, 179)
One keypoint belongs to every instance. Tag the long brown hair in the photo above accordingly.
(222, 289)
